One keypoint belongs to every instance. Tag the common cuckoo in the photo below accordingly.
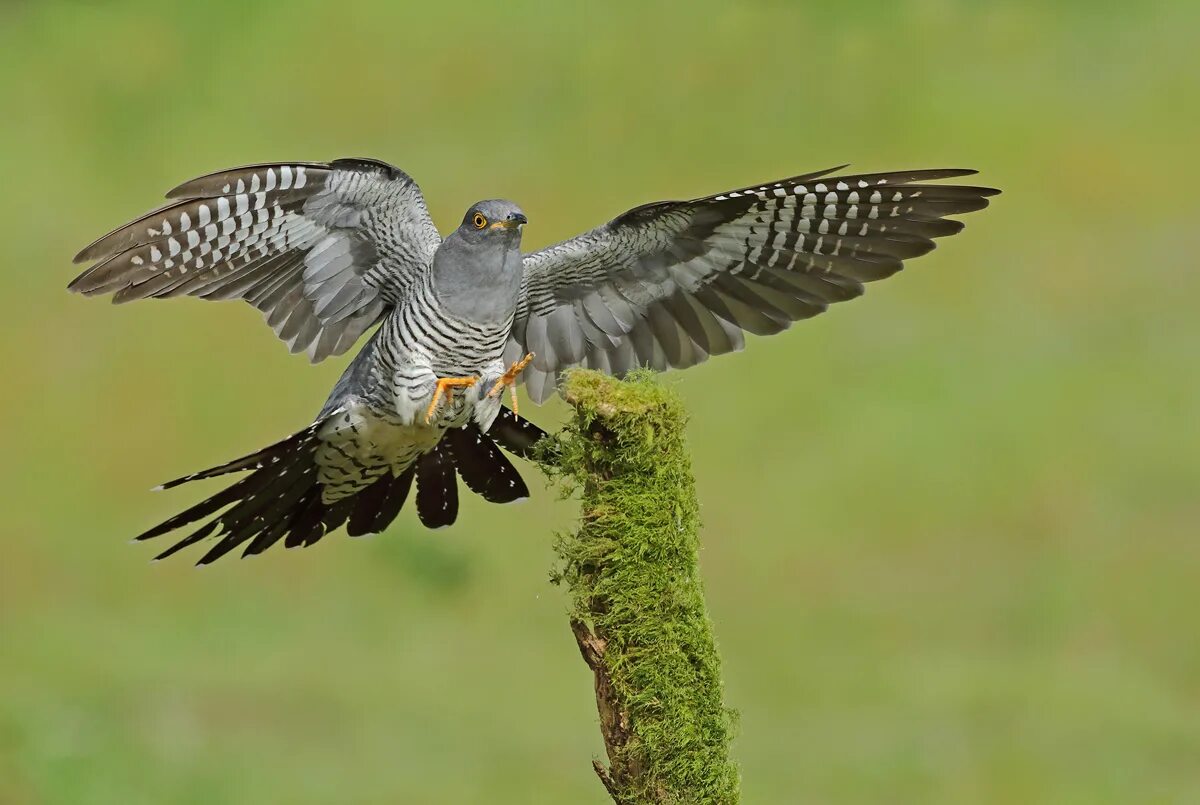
(327, 251)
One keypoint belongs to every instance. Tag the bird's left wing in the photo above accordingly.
(670, 283)
(322, 249)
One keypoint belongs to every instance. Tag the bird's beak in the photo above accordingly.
(511, 222)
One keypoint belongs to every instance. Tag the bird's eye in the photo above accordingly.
(479, 221)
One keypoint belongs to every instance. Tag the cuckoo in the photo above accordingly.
(330, 251)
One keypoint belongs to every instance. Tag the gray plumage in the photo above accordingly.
(327, 250)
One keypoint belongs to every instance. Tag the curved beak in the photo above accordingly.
(513, 221)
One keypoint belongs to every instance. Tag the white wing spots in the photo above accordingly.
(169, 263)
(152, 232)
(852, 212)
(800, 190)
(155, 254)
(222, 208)
(873, 213)
(862, 183)
(205, 216)
(254, 182)
(898, 196)
(185, 221)
(211, 232)
(779, 191)
(166, 227)
(193, 238)
(830, 211)
(137, 261)
(225, 188)
(285, 177)
(823, 227)
(241, 186)
(243, 203)
(820, 187)
(876, 197)
(843, 186)
(172, 246)
(831, 197)
(808, 211)
(844, 228)
(817, 245)
(810, 198)
(852, 198)
(301, 178)
(862, 233)
(270, 180)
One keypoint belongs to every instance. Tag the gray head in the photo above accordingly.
(477, 269)
(492, 221)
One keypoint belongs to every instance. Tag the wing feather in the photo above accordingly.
(670, 283)
(322, 249)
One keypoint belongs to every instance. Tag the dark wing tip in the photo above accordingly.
(89, 252)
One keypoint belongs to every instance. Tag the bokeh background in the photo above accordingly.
(952, 556)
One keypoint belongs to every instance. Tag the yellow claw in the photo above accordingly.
(509, 379)
(445, 387)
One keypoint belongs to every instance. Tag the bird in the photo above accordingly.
(332, 251)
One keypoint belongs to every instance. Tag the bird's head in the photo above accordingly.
(493, 221)
(477, 269)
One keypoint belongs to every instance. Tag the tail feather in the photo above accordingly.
(254, 461)
(394, 502)
(437, 488)
(483, 468)
(281, 498)
(378, 504)
(514, 434)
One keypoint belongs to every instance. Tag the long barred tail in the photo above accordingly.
(281, 499)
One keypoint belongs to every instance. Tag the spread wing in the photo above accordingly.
(322, 249)
(670, 283)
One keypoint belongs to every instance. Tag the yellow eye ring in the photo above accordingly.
(479, 220)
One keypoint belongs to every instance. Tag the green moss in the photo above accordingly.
(633, 574)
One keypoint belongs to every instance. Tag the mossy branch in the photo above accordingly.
(637, 606)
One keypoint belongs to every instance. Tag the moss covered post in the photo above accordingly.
(637, 605)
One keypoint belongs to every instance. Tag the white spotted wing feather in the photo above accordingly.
(322, 249)
(668, 284)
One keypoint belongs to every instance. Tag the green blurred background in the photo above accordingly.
(953, 559)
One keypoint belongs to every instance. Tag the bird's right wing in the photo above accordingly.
(322, 249)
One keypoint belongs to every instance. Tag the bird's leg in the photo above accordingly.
(446, 386)
(509, 379)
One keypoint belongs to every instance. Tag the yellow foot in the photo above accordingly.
(509, 379)
(445, 387)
